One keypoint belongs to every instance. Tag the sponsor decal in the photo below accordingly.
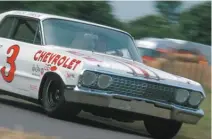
(69, 75)
(22, 89)
(38, 71)
(56, 60)
(47, 67)
(32, 14)
(53, 68)
(33, 87)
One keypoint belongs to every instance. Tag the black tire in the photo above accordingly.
(162, 128)
(53, 99)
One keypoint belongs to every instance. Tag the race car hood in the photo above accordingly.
(126, 67)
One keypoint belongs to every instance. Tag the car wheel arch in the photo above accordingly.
(44, 78)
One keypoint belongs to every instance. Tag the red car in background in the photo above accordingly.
(202, 51)
(152, 48)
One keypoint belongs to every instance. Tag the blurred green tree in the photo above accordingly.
(94, 11)
(7, 5)
(195, 23)
(154, 26)
(169, 9)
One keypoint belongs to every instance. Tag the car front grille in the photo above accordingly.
(139, 88)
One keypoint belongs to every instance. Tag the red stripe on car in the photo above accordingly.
(146, 74)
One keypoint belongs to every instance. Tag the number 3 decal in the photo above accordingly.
(11, 61)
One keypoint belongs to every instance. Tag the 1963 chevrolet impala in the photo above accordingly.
(68, 65)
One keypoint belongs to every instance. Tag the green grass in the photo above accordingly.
(202, 130)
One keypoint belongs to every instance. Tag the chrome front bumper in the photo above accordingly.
(135, 105)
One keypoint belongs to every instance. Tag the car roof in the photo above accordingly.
(188, 45)
(43, 16)
(154, 43)
(145, 44)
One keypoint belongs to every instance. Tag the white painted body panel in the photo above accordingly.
(27, 80)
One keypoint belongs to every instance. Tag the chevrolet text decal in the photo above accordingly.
(56, 59)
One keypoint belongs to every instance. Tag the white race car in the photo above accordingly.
(68, 65)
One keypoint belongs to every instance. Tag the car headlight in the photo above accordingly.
(88, 78)
(104, 81)
(181, 95)
(195, 98)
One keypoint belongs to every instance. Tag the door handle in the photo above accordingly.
(1, 45)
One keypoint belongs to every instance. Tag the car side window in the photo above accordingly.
(27, 30)
(6, 27)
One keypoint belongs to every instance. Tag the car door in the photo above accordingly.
(6, 28)
(19, 50)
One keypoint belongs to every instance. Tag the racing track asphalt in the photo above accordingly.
(29, 117)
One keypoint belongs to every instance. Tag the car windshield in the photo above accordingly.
(71, 34)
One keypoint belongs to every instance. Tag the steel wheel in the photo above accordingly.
(54, 93)
(53, 99)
